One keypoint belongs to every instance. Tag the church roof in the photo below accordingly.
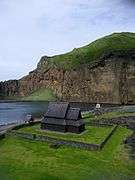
(73, 114)
(57, 110)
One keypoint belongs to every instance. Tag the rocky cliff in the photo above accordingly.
(109, 78)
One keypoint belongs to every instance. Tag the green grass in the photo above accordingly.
(92, 134)
(23, 159)
(91, 53)
(109, 115)
(86, 115)
(41, 95)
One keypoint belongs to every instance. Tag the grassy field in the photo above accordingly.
(92, 52)
(92, 134)
(41, 95)
(89, 116)
(23, 159)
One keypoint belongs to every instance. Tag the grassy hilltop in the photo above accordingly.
(88, 54)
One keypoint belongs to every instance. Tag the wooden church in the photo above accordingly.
(61, 117)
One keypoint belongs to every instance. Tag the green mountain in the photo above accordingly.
(115, 42)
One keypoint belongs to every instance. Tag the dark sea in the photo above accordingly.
(11, 112)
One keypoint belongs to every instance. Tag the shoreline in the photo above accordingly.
(5, 128)
(107, 104)
(86, 103)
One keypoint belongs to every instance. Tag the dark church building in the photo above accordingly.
(61, 117)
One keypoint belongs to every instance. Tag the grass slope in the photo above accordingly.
(92, 52)
(23, 159)
(41, 95)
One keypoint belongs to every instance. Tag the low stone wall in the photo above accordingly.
(75, 144)
(13, 127)
(55, 140)
(130, 142)
(99, 123)
(123, 121)
(108, 137)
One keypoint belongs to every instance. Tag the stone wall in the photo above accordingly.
(108, 137)
(128, 121)
(130, 142)
(75, 144)
(48, 139)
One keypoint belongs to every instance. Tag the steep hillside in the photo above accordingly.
(116, 43)
(102, 71)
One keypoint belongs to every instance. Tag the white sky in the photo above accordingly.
(32, 28)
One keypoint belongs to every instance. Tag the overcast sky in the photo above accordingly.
(32, 28)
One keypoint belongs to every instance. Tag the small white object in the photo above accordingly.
(98, 106)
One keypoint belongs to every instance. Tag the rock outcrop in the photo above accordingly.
(9, 89)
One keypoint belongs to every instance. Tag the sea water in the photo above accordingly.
(16, 111)
(12, 112)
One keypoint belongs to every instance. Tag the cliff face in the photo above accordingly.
(103, 71)
(9, 88)
(110, 80)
